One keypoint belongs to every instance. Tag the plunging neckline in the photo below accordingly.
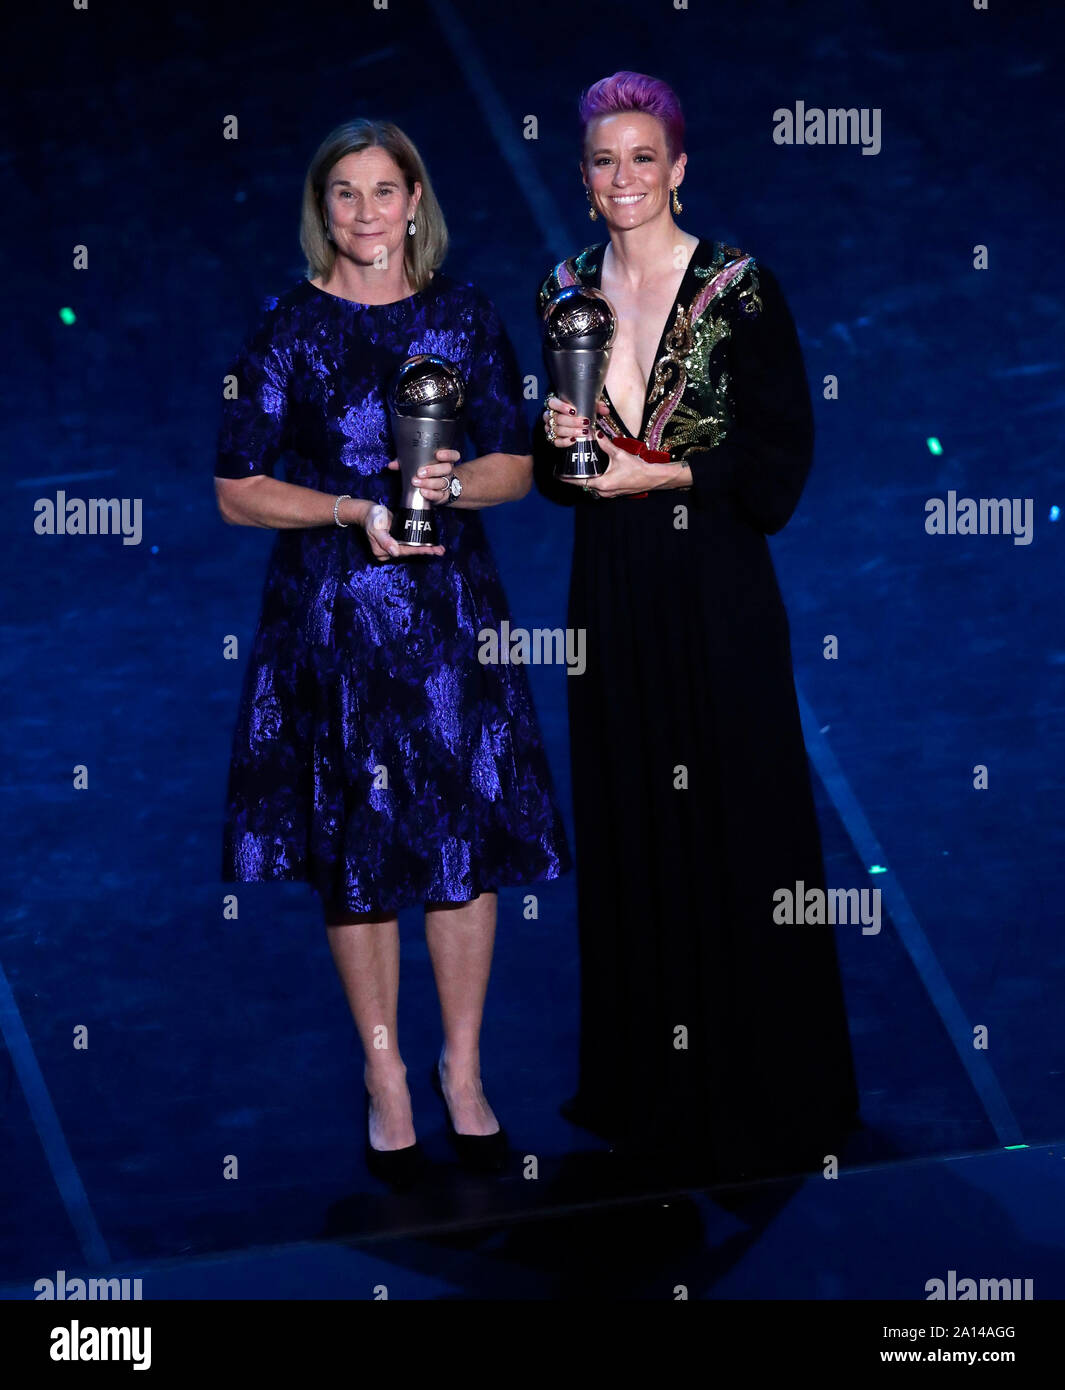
(671, 317)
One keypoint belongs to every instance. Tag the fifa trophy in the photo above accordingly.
(579, 325)
(425, 405)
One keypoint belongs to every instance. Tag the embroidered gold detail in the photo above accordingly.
(684, 368)
(688, 427)
(678, 342)
(750, 300)
(709, 330)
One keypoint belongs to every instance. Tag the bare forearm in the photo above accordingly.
(270, 503)
(276, 505)
(492, 479)
(669, 475)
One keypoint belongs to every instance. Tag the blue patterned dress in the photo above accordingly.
(374, 755)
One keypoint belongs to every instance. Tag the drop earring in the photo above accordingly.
(591, 209)
(678, 206)
(411, 228)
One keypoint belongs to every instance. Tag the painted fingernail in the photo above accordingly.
(572, 411)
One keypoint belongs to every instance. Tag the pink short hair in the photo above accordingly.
(635, 91)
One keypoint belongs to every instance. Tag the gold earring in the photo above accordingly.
(591, 210)
(678, 206)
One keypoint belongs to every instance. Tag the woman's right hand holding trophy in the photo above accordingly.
(563, 425)
(579, 324)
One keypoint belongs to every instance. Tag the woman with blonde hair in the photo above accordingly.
(375, 755)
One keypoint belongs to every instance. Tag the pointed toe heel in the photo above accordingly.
(482, 1153)
(399, 1168)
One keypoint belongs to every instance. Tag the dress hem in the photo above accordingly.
(547, 876)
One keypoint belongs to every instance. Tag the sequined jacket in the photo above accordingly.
(728, 393)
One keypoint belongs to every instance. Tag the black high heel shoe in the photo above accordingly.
(485, 1153)
(397, 1167)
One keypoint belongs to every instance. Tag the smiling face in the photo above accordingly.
(628, 170)
(367, 205)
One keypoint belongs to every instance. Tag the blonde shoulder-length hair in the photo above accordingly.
(423, 251)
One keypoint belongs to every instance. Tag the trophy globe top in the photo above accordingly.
(428, 387)
(579, 317)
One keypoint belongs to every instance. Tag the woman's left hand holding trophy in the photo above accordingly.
(432, 481)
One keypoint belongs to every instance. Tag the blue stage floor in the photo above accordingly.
(879, 1232)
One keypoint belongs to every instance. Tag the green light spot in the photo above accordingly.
(67, 315)
(877, 869)
(934, 446)
(1016, 1146)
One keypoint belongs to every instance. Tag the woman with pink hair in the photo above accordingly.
(709, 1029)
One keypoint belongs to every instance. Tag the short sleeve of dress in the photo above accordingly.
(495, 408)
(763, 461)
(251, 436)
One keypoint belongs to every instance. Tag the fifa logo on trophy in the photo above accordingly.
(579, 326)
(425, 404)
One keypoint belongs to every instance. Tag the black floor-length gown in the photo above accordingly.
(705, 1026)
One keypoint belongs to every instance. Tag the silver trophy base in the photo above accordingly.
(583, 461)
(415, 526)
(417, 439)
(578, 375)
